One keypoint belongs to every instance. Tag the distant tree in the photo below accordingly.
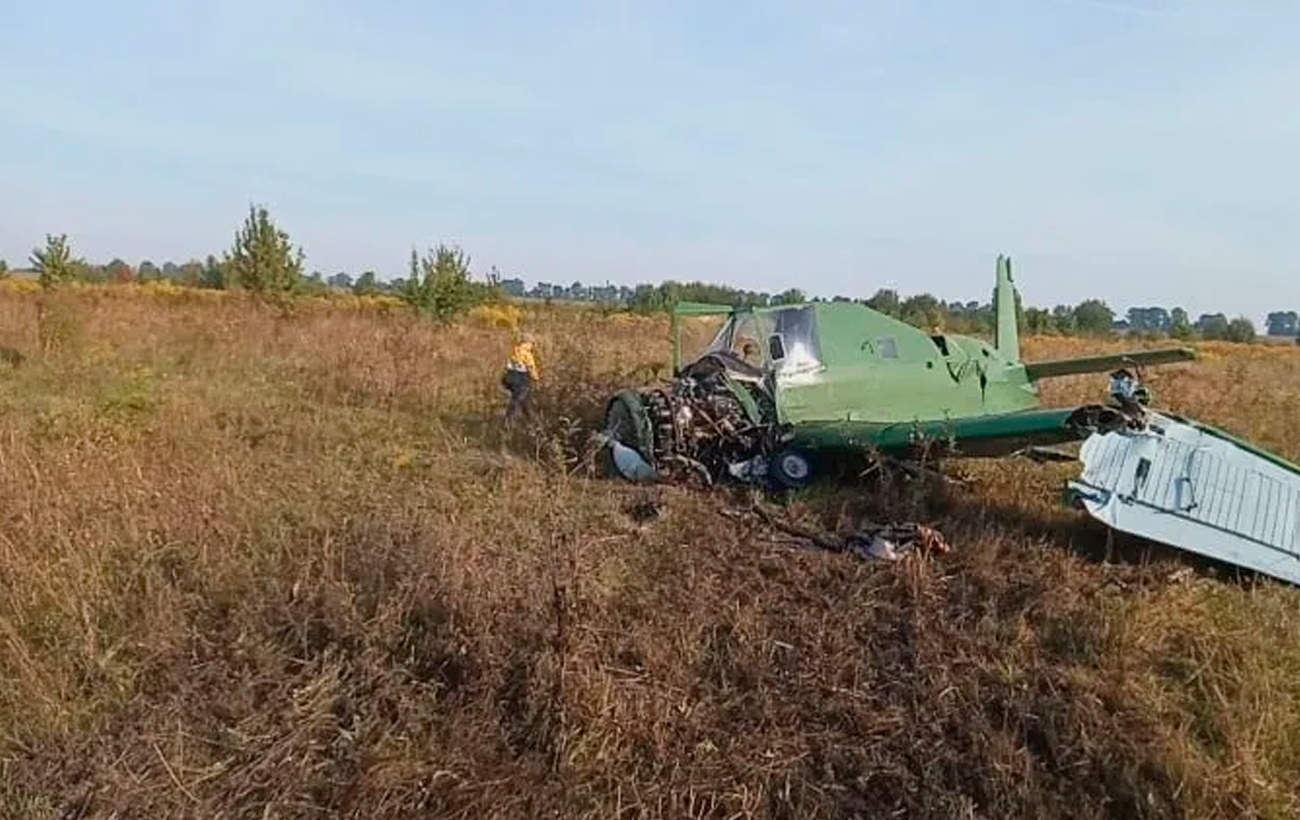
(1038, 321)
(54, 263)
(923, 311)
(4, 269)
(263, 260)
(214, 274)
(792, 296)
(1283, 323)
(441, 286)
(1063, 319)
(1180, 326)
(313, 283)
(119, 271)
(1240, 329)
(190, 274)
(886, 301)
(366, 284)
(1093, 317)
(1149, 319)
(340, 280)
(411, 286)
(147, 271)
(646, 299)
(1212, 326)
(970, 317)
(88, 272)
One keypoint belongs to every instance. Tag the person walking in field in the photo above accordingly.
(521, 376)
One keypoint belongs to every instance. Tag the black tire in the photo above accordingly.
(627, 423)
(792, 468)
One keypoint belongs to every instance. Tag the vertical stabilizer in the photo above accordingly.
(1008, 334)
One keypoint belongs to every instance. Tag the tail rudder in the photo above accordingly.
(1007, 330)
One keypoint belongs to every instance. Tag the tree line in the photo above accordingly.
(1093, 317)
(263, 260)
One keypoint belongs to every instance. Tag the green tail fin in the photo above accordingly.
(1008, 333)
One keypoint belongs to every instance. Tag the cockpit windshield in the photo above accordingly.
(792, 345)
(785, 340)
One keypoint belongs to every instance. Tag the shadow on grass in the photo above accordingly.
(1080, 534)
(960, 513)
(885, 497)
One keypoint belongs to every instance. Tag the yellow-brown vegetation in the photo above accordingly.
(256, 565)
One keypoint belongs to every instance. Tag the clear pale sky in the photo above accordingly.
(1143, 151)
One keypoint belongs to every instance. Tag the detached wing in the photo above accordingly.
(1198, 489)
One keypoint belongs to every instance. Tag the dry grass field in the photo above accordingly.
(258, 567)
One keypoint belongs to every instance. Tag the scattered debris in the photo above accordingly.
(887, 542)
(890, 542)
(643, 509)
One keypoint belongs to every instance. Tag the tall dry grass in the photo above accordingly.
(255, 566)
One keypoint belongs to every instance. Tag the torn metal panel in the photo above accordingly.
(630, 464)
(1195, 488)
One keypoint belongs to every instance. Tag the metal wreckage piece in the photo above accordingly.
(694, 429)
(1181, 482)
(882, 542)
(784, 391)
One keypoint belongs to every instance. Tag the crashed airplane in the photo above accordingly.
(784, 392)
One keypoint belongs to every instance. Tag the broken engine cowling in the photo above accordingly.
(702, 425)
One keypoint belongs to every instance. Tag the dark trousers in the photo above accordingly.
(520, 386)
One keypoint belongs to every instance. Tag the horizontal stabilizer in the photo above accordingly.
(1101, 364)
(701, 309)
(1197, 489)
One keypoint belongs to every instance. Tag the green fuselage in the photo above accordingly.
(844, 375)
(887, 372)
(884, 382)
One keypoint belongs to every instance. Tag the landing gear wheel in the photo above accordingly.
(792, 469)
